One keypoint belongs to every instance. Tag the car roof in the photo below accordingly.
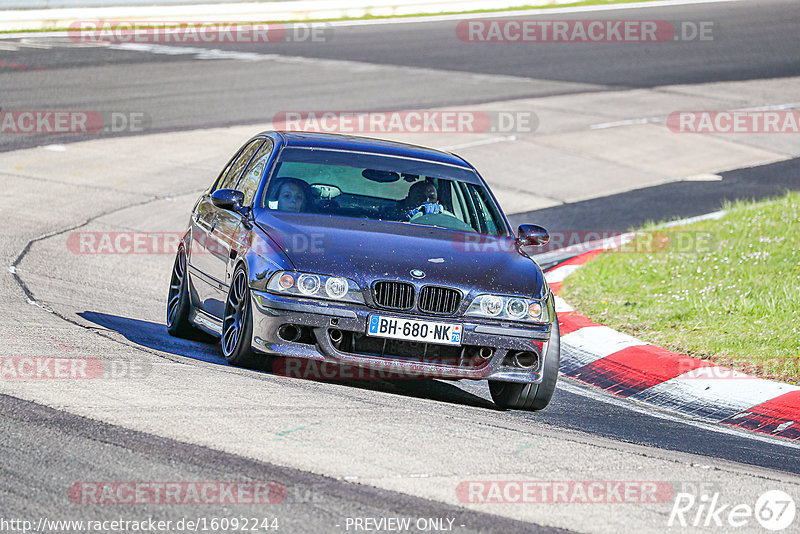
(369, 144)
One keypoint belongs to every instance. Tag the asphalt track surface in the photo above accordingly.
(756, 40)
(752, 40)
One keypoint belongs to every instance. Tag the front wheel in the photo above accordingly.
(532, 397)
(237, 324)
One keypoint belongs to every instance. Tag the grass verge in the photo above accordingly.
(725, 290)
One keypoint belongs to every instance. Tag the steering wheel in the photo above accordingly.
(444, 220)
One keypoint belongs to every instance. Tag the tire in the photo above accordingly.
(532, 397)
(237, 323)
(178, 305)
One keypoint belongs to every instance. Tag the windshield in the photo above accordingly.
(368, 186)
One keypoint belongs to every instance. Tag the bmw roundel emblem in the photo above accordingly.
(416, 273)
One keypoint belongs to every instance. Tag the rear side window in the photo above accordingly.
(252, 176)
(235, 168)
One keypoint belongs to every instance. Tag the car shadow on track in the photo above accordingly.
(154, 336)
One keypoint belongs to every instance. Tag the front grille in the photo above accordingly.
(393, 295)
(434, 299)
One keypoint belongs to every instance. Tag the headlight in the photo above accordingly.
(308, 284)
(504, 307)
(315, 285)
(491, 305)
(516, 308)
(337, 287)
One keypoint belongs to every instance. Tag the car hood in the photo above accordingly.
(366, 250)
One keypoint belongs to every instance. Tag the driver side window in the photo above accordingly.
(252, 176)
(234, 169)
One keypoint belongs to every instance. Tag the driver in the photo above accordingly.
(422, 199)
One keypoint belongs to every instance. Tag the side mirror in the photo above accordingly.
(532, 235)
(227, 199)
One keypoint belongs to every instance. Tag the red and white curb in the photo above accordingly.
(628, 367)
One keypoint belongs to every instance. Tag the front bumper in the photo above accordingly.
(271, 312)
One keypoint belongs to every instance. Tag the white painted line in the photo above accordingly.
(42, 306)
(713, 216)
(559, 274)
(562, 306)
(192, 10)
(783, 426)
(482, 142)
(713, 393)
(601, 340)
(598, 342)
(648, 120)
(614, 124)
(527, 12)
(623, 239)
(704, 177)
(661, 413)
(199, 53)
(55, 148)
(727, 383)
(775, 107)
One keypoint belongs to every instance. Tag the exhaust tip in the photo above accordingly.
(486, 353)
(289, 332)
(526, 359)
(335, 336)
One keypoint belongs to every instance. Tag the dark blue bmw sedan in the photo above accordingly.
(366, 253)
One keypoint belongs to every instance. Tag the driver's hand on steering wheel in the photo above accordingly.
(426, 208)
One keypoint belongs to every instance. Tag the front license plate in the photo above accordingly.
(414, 330)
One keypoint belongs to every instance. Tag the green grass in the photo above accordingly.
(726, 290)
(378, 17)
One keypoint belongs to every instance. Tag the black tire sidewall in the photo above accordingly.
(243, 355)
(181, 327)
(510, 395)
